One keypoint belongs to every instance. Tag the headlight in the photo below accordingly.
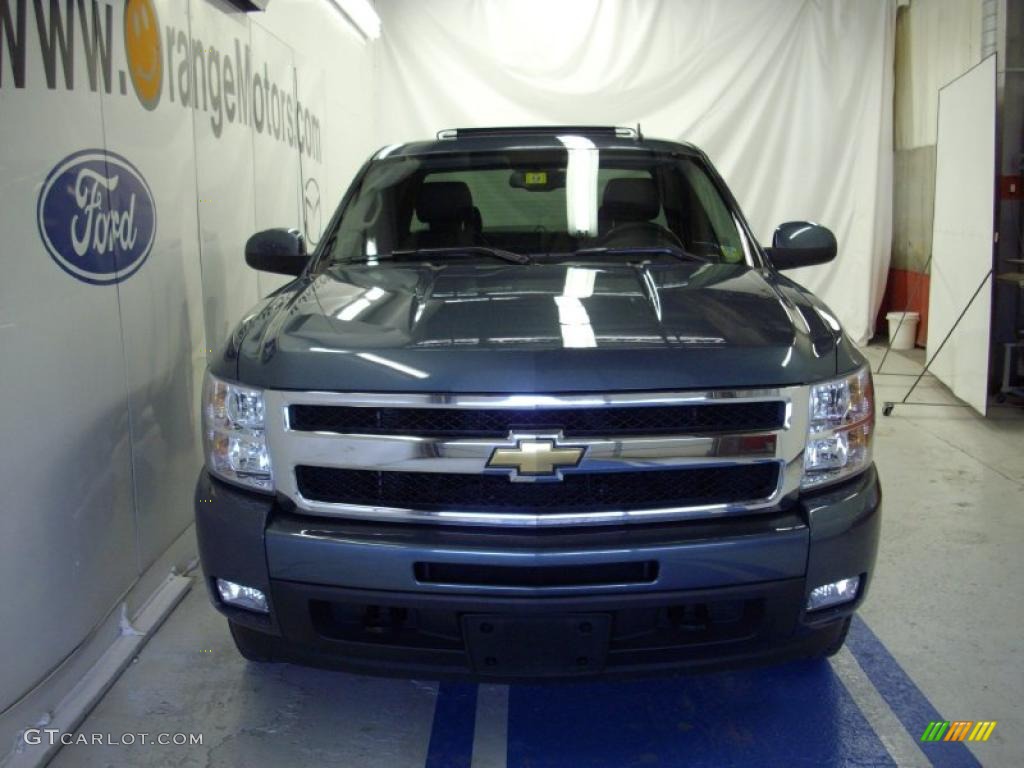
(234, 434)
(842, 422)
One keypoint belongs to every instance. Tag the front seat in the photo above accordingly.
(446, 207)
(627, 201)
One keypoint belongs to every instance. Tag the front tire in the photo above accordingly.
(254, 646)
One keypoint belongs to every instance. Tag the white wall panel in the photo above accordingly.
(161, 304)
(962, 234)
(938, 41)
(224, 167)
(101, 379)
(336, 74)
(275, 138)
(315, 208)
(67, 533)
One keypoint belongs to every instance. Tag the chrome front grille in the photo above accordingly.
(580, 492)
(683, 418)
(642, 457)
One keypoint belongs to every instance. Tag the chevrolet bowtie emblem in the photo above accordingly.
(536, 457)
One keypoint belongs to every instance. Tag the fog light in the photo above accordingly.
(241, 596)
(837, 592)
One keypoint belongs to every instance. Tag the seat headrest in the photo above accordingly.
(443, 201)
(631, 200)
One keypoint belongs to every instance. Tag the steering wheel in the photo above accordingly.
(647, 232)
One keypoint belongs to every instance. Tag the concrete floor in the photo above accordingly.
(939, 638)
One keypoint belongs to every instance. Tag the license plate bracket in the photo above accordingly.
(537, 646)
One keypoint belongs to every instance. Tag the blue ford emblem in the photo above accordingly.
(96, 216)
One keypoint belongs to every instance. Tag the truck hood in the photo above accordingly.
(536, 328)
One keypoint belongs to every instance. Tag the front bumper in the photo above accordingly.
(439, 602)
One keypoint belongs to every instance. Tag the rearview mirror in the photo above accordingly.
(277, 250)
(801, 244)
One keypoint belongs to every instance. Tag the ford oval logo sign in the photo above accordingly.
(96, 216)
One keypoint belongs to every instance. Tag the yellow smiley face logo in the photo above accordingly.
(142, 47)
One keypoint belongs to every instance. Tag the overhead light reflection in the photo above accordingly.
(387, 151)
(362, 15)
(581, 185)
(828, 318)
(363, 303)
(408, 370)
(579, 282)
(652, 292)
(577, 331)
(369, 357)
(353, 310)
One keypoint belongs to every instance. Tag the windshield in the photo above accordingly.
(544, 205)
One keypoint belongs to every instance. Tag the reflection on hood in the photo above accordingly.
(559, 327)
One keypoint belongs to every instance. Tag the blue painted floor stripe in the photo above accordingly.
(905, 699)
(451, 736)
(797, 714)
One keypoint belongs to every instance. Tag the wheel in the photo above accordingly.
(837, 643)
(1001, 397)
(254, 646)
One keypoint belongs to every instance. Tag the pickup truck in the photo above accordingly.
(538, 405)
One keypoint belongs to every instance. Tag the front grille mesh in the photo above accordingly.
(583, 492)
(711, 418)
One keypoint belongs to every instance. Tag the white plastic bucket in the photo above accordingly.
(902, 334)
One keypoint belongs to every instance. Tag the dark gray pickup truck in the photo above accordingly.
(538, 405)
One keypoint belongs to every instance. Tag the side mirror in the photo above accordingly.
(277, 250)
(801, 244)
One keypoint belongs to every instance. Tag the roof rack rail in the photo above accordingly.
(540, 130)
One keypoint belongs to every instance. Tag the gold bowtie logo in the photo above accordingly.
(536, 457)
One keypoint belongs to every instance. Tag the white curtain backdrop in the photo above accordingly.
(791, 99)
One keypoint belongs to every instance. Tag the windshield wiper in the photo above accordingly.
(455, 250)
(671, 250)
